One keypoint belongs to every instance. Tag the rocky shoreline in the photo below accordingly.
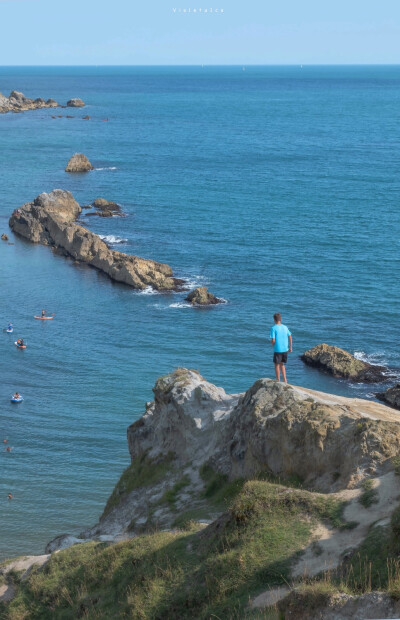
(50, 220)
(18, 102)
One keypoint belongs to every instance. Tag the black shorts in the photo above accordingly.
(280, 358)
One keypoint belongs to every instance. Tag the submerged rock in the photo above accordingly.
(202, 297)
(17, 102)
(340, 363)
(391, 396)
(50, 219)
(78, 163)
(75, 103)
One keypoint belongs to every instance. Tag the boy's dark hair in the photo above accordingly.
(277, 317)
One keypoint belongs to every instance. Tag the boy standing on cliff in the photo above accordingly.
(282, 342)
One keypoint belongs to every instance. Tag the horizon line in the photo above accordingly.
(297, 64)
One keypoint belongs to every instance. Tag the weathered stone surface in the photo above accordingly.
(17, 102)
(75, 103)
(340, 363)
(107, 205)
(50, 220)
(4, 237)
(331, 442)
(202, 297)
(326, 440)
(339, 606)
(391, 396)
(79, 163)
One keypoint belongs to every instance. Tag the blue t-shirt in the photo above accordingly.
(281, 334)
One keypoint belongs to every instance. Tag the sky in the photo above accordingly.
(177, 32)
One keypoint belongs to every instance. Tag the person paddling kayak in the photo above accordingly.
(43, 312)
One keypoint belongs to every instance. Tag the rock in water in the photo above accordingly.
(391, 396)
(50, 220)
(340, 363)
(75, 103)
(4, 237)
(17, 102)
(106, 205)
(201, 297)
(79, 163)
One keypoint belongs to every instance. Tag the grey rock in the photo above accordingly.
(75, 103)
(17, 102)
(340, 363)
(391, 396)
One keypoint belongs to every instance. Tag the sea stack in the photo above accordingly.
(79, 163)
(75, 103)
(340, 363)
(202, 297)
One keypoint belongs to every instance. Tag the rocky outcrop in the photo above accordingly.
(326, 440)
(331, 605)
(391, 396)
(78, 163)
(202, 297)
(17, 102)
(330, 442)
(4, 237)
(75, 103)
(50, 219)
(340, 363)
(106, 208)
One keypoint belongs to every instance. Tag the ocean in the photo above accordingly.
(276, 187)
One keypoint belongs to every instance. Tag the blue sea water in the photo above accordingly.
(277, 187)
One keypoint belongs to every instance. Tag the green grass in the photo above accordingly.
(186, 574)
(369, 495)
(142, 472)
(171, 495)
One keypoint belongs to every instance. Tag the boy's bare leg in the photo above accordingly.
(277, 373)
(283, 369)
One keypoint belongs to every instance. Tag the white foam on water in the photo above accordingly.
(149, 290)
(112, 239)
(180, 304)
(107, 168)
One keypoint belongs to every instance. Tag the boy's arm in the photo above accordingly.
(290, 343)
(272, 336)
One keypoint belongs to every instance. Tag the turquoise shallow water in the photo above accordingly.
(278, 187)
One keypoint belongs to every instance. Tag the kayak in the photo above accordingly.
(9, 331)
(19, 346)
(17, 400)
(44, 318)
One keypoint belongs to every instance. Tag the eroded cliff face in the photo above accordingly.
(330, 442)
(50, 219)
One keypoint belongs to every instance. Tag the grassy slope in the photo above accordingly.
(191, 573)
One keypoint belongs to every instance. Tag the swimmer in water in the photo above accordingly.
(10, 496)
